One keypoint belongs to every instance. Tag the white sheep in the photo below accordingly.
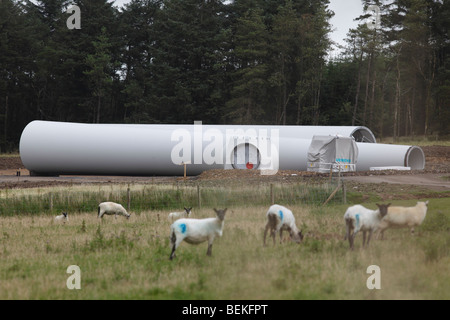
(280, 218)
(177, 215)
(195, 231)
(62, 218)
(110, 208)
(403, 217)
(359, 218)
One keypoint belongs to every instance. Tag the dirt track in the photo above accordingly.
(435, 177)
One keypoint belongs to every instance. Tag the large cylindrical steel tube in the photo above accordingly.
(120, 149)
(389, 155)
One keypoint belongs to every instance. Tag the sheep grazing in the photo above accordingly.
(358, 218)
(280, 218)
(177, 215)
(110, 208)
(403, 217)
(195, 231)
(62, 218)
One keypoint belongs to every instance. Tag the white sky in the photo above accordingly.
(345, 13)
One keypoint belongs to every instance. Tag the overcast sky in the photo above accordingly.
(345, 13)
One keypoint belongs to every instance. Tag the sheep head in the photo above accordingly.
(383, 209)
(296, 237)
(220, 213)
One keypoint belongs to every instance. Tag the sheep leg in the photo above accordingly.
(349, 233)
(370, 236)
(349, 228)
(271, 224)
(380, 232)
(281, 235)
(265, 232)
(377, 236)
(173, 242)
(364, 239)
(351, 239)
(172, 254)
(210, 243)
(209, 251)
(174, 247)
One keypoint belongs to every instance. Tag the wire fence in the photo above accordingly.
(148, 197)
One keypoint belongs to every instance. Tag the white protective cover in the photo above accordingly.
(335, 153)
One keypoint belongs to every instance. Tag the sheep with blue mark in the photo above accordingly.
(359, 218)
(280, 218)
(195, 231)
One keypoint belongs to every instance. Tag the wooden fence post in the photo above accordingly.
(51, 201)
(128, 198)
(272, 195)
(332, 194)
(344, 191)
(199, 200)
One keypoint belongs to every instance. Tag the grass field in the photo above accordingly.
(420, 141)
(129, 259)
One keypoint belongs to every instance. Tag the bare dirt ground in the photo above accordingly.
(434, 181)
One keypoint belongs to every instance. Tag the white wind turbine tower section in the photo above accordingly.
(56, 148)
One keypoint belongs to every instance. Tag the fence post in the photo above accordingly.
(199, 201)
(344, 191)
(272, 195)
(332, 194)
(51, 201)
(128, 198)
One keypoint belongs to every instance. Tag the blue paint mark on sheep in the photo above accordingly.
(183, 228)
(357, 220)
(281, 214)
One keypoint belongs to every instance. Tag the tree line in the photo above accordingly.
(234, 62)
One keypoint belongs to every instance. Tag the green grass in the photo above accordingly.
(129, 259)
(12, 154)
